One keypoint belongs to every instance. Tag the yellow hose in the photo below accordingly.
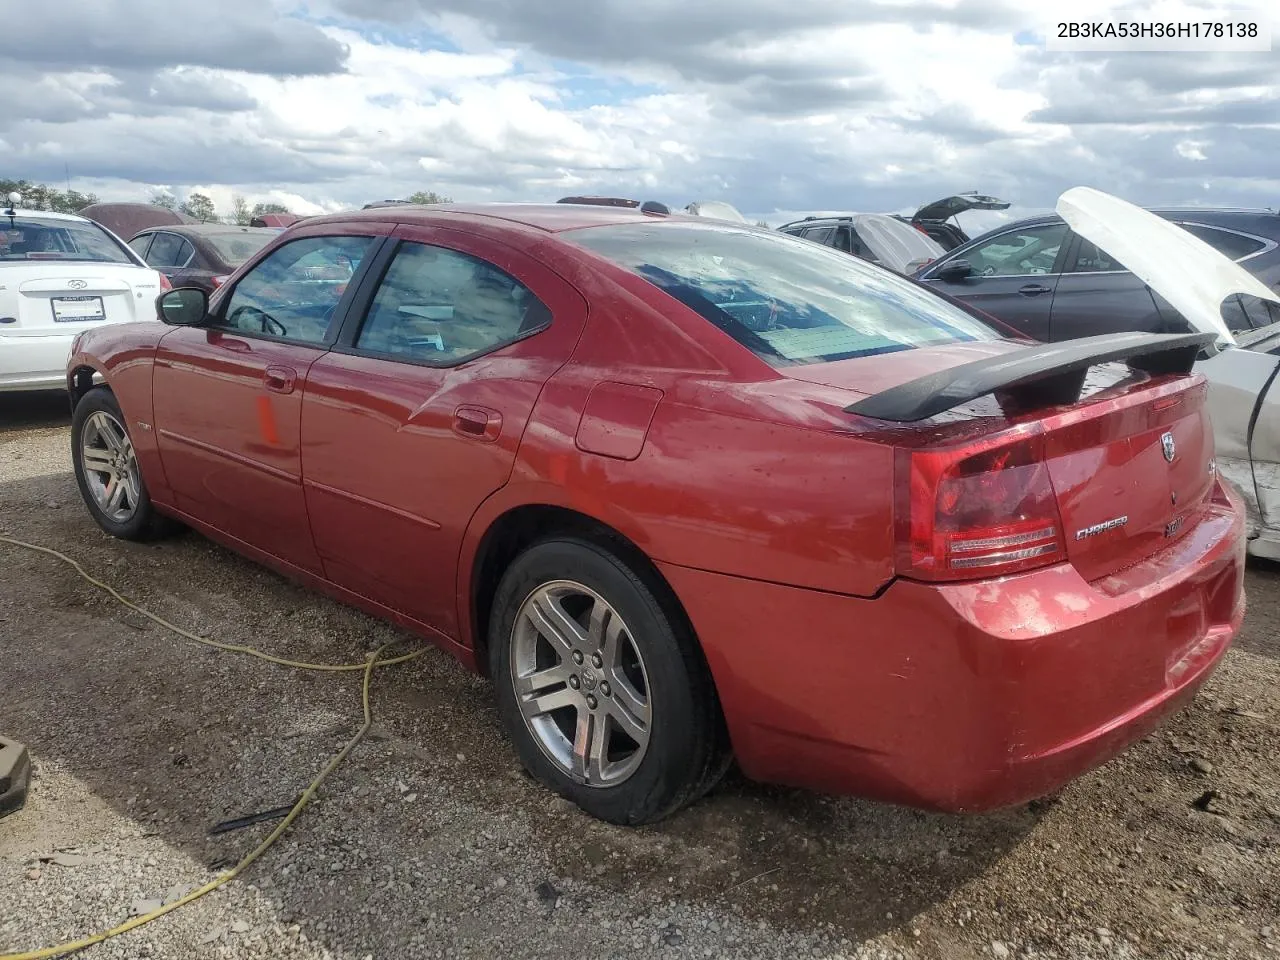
(374, 661)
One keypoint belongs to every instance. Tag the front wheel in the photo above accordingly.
(602, 691)
(107, 471)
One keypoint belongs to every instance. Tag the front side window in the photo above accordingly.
(1015, 253)
(139, 244)
(294, 292)
(441, 307)
(788, 302)
(39, 238)
(819, 234)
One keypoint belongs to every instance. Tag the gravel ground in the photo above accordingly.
(430, 842)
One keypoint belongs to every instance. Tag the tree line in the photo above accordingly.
(198, 206)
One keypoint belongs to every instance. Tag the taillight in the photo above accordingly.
(976, 510)
(219, 281)
(165, 284)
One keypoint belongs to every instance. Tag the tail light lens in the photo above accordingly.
(165, 284)
(969, 512)
(219, 281)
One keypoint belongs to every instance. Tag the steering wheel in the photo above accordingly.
(266, 322)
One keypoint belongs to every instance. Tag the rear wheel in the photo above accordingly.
(107, 471)
(601, 690)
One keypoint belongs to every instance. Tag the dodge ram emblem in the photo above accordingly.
(1166, 444)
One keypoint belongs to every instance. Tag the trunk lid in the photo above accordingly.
(948, 207)
(1131, 476)
(1125, 461)
(51, 298)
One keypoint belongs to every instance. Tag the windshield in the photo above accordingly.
(23, 239)
(236, 248)
(787, 300)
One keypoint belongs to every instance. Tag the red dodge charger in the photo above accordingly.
(689, 490)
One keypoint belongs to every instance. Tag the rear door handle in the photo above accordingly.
(477, 423)
(1034, 289)
(280, 379)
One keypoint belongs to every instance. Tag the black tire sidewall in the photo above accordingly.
(141, 524)
(672, 765)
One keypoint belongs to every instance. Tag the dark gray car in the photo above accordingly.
(1041, 278)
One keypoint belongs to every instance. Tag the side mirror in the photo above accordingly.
(954, 271)
(184, 307)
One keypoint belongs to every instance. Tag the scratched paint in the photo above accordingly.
(267, 422)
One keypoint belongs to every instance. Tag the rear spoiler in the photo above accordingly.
(1044, 375)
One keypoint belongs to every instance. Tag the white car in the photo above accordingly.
(60, 275)
(1242, 367)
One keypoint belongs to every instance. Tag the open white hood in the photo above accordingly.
(1182, 268)
(897, 245)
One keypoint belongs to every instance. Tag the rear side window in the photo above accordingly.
(787, 301)
(38, 238)
(820, 234)
(1234, 245)
(441, 307)
(169, 250)
(1090, 259)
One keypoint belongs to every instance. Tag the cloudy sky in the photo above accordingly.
(774, 105)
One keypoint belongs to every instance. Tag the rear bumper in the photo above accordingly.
(966, 697)
(34, 362)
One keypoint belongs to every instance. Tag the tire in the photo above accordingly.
(99, 424)
(651, 654)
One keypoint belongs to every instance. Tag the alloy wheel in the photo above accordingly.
(110, 467)
(581, 683)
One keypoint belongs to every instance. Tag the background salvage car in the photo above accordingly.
(200, 255)
(1043, 279)
(877, 237)
(647, 471)
(59, 276)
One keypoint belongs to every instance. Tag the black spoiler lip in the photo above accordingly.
(1042, 375)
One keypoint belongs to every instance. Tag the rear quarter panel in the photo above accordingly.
(735, 475)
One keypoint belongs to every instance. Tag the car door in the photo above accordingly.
(1096, 294)
(1013, 275)
(415, 416)
(228, 394)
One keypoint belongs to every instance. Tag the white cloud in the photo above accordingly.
(770, 104)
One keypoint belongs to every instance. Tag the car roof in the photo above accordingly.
(208, 229)
(46, 215)
(551, 217)
(1205, 214)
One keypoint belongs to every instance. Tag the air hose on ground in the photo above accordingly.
(373, 662)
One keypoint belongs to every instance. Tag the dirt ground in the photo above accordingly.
(431, 843)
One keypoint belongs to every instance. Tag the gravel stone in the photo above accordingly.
(107, 701)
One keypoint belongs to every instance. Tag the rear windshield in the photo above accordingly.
(786, 300)
(23, 239)
(236, 248)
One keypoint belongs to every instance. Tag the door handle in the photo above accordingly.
(1034, 289)
(280, 379)
(477, 423)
